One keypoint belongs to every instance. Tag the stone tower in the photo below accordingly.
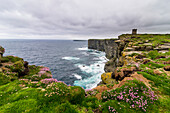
(134, 31)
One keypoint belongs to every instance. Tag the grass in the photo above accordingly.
(13, 59)
(4, 79)
(46, 95)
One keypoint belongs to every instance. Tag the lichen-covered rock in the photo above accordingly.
(121, 73)
(77, 95)
(107, 78)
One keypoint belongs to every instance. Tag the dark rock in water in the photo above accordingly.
(98, 65)
(83, 65)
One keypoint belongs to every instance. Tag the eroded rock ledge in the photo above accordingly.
(128, 51)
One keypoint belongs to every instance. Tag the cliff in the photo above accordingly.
(119, 51)
(140, 58)
(136, 80)
(112, 48)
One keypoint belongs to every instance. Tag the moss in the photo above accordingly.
(66, 108)
(153, 54)
(152, 65)
(20, 106)
(29, 93)
(77, 95)
(14, 59)
(18, 67)
(4, 59)
(4, 79)
(89, 102)
(10, 58)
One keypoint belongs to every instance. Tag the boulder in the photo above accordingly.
(167, 68)
(2, 50)
(120, 74)
(107, 78)
(157, 72)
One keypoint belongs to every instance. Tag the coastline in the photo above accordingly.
(136, 79)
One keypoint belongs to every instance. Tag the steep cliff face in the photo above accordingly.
(109, 46)
(112, 48)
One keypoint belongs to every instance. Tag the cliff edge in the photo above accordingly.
(136, 80)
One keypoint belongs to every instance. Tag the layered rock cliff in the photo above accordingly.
(123, 52)
(139, 82)
(112, 48)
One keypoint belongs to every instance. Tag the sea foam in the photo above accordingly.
(77, 76)
(95, 69)
(83, 48)
(70, 58)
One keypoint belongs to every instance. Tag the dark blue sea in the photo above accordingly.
(69, 61)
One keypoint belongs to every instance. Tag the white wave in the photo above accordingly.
(77, 76)
(83, 48)
(70, 58)
(88, 83)
(85, 53)
(95, 69)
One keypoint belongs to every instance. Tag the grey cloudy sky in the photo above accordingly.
(81, 19)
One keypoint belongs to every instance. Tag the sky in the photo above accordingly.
(81, 19)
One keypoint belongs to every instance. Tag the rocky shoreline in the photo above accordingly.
(136, 79)
(128, 53)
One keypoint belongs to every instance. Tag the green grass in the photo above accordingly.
(13, 59)
(4, 79)
(29, 105)
(22, 96)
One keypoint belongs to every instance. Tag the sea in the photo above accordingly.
(69, 61)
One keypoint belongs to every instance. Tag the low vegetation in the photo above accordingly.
(31, 89)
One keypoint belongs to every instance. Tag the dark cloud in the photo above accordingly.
(69, 19)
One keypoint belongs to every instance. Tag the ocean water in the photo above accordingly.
(69, 61)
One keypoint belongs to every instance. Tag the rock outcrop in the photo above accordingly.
(126, 53)
(112, 48)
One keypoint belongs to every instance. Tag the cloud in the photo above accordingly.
(70, 19)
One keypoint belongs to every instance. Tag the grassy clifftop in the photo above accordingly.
(140, 83)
